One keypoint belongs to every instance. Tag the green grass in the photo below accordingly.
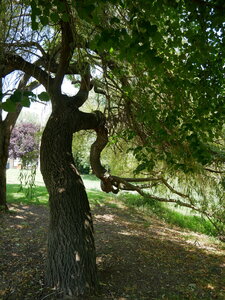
(40, 196)
(148, 206)
(15, 195)
(97, 197)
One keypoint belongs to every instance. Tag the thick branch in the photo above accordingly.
(71, 70)
(88, 121)
(85, 87)
(65, 55)
(96, 148)
(5, 69)
(18, 63)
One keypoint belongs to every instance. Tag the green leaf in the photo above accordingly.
(54, 17)
(25, 102)
(16, 96)
(65, 17)
(61, 6)
(44, 20)
(115, 20)
(140, 168)
(28, 94)
(34, 25)
(9, 106)
(44, 96)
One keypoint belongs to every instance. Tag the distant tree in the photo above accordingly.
(24, 143)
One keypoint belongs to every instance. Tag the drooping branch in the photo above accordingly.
(172, 189)
(215, 171)
(111, 183)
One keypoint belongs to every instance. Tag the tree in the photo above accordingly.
(19, 92)
(154, 75)
(24, 143)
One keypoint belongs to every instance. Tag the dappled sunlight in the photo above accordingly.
(137, 259)
(149, 257)
(105, 217)
(126, 233)
(19, 217)
(154, 255)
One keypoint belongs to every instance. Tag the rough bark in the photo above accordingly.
(4, 145)
(3, 162)
(71, 263)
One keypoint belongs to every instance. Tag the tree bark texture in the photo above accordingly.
(71, 263)
(4, 145)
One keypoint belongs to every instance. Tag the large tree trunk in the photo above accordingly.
(71, 263)
(4, 144)
(3, 205)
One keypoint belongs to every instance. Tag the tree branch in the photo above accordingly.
(65, 55)
(172, 189)
(24, 45)
(85, 87)
(110, 183)
(12, 117)
(214, 171)
(18, 63)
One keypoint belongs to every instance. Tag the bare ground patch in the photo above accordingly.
(138, 257)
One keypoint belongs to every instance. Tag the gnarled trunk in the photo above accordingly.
(71, 263)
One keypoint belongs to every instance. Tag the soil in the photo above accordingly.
(138, 257)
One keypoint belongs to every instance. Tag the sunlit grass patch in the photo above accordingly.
(16, 195)
(40, 196)
(167, 213)
(97, 197)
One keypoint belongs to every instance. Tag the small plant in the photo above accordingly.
(27, 181)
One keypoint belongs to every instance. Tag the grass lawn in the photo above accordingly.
(40, 195)
(90, 181)
(97, 197)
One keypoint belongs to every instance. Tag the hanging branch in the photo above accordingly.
(111, 183)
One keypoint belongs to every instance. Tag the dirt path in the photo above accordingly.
(138, 258)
